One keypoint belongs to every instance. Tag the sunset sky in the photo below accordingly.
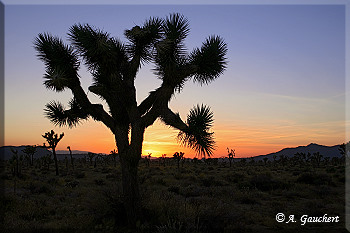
(284, 85)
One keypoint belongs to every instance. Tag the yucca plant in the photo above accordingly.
(114, 66)
(71, 157)
(53, 139)
(178, 157)
(230, 154)
(30, 151)
(114, 154)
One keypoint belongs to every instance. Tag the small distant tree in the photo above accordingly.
(47, 160)
(178, 157)
(344, 150)
(71, 157)
(66, 161)
(30, 151)
(91, 157)
(231, 155)
(148, 159)
(265, 160)
(114, 154)
(274, 157)
(14, 162)
(53, 139)
(163, 159)
(299, 158)
(326, 161)
(283, 160)
(317, 158)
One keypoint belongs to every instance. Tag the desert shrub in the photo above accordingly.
(192, 191)
(178, 176)
(5, 176)
(112, 176)
(322, 191)
(216, 216)
(79, 174)
(160, 181)
(72, 184)
(296, 173)
(38, 187)
(210, 168)
(174, 189)
(331, 170)
(171, 226)
(209, 181)
(249, 199)
(53, 181)
(263, 182)
(315, 178)
(234, 177)
(99, 182)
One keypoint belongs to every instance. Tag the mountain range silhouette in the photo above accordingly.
(326, 151)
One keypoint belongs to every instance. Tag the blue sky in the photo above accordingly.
(284, 85)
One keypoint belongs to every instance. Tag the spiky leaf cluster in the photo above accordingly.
(59, 116)
(197, 135)
(52, 138)
(61, 62)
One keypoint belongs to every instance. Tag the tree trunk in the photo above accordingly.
(130, 155)
(55, 159)
(131, 193)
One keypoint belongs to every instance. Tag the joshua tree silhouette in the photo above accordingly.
(71, 157)
(231, 155)
(114, 66)
(53, 139)
(178, 157)
(114, 153)
(30, 151)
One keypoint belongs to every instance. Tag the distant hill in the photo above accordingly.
(6, 153)
(326, 151)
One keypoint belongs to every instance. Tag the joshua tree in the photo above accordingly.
(344, 150)
(16, 167)
(178, 157)
(317, 158)
(47, 160)
(30, 151)
(53, 139)
(91, 156)
(148, 159)
(231, 155)
(14, 163)
(71, 157)
(163, 159)
(114, 66)
(265, 160)
(283, 160)
(114, 153)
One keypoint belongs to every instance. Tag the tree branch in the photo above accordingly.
(172, 119)
(95, 110)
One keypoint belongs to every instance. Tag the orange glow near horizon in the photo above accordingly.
(247, 140)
